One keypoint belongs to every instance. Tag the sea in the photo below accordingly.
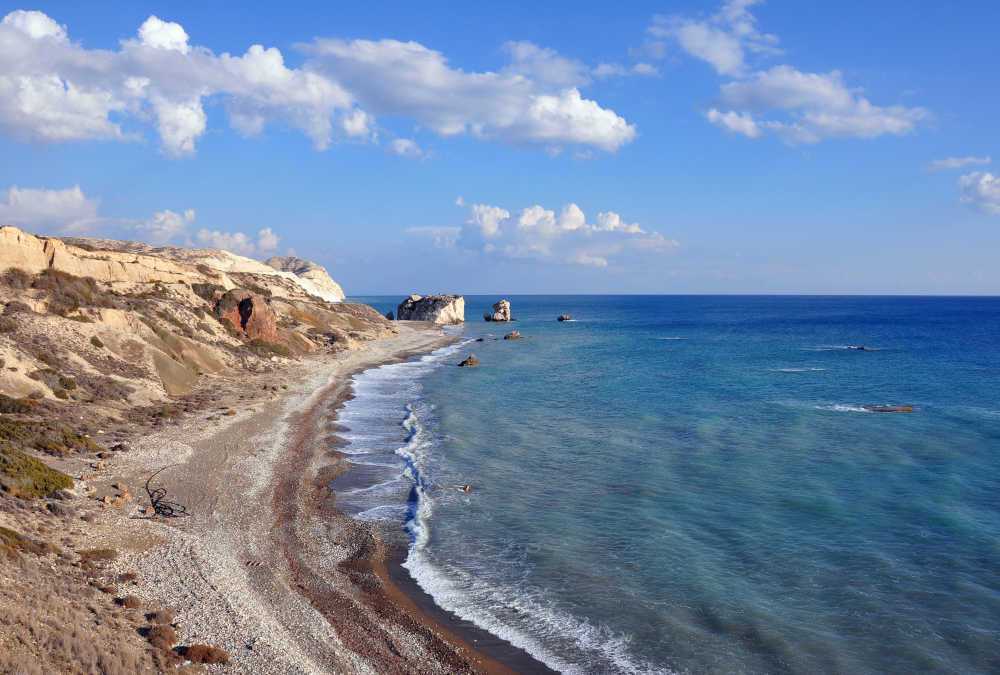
(699, 484)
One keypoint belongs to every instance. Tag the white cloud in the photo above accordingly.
(63, 211)
(405, 147)
(982, 190)
(538, 233)
(53, 89)
(529, 102)
(166, 225)
(737, 123)
(443, 237)
(951, 163)
(798, 106)
(721, 40)
(645, 69)
(239, 242)
(603, 71)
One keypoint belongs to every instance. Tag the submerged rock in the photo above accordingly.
(470, 362)
(501, 312)
(565, 317)
(513, 335)
(435, 308)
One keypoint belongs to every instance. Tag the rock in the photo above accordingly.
(889, 408)
(565, 317)
(439, 309)
(389, 315)
(470, 362)
(250, 314)
(501, 312)
(312, 277)
(513, 335)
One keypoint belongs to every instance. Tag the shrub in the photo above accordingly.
(24, 476)
(161, 636)
(204, 654)
(67, 382)
(13, 542)
(67, 292)
(17, 278)
(15, 306)
(96, 341)
(264, 348)
(207, 291)
(14, 405)
(7, 325)
(92, 555)
(60, 394)
(129, 602)
(163, 616)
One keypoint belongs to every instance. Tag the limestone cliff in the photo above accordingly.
(441, 309)
(309, 274)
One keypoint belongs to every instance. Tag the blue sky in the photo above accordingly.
(668, 147)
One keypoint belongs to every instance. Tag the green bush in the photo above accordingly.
(24, 476)
(96, 341)
(14, 405)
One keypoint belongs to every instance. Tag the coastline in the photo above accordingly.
(266, 566)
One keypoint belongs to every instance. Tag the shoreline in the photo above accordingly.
(266, 566)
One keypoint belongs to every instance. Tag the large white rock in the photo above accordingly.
(435, 308)
(309, 274)
(501, 312)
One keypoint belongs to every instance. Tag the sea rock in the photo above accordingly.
(470, 362)
(889, 408)
(513, 335)
(501, 312)
(565, 317)
(315, 277)
(250, 314)
(439, 309)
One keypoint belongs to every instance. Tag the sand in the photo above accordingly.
(257, 560)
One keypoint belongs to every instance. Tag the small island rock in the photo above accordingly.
(470, 362)
(439, 309)
(513, 335)
(565, 317)
(501, 312)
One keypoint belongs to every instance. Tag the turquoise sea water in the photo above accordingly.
(692, 484)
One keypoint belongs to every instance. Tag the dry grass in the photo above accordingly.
(204, 654)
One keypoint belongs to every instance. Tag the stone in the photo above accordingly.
(565, 317)
(501, 312)
(513, 335)
(470, 362)
(250, 314)
(440, 309)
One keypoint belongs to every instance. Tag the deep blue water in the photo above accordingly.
(691, 484)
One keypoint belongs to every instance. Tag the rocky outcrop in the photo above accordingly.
(442, 309)
(565, 317)
(311, 275)
(513, 335)
(249, 314)
(469, 362)
(501, 312)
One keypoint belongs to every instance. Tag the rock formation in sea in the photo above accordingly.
(310, 273)
(442, 309)
(501, 312)
(513, 335)
(469, 362)
(565, 317)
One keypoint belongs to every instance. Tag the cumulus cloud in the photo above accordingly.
(531, 101)
(542, 234)
(53, 89)
(166, 226)
(982, 190)
(797, 106)
(406, 147)
(952, 163)
(239, 242)
(64, 211)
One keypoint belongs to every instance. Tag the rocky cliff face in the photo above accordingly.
(441, 309)
(115, 325)
(310, 275)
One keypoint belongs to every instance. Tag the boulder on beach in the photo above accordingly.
(565, 317)
(889, 408)
(470, 362)
(513, 335)
(501, 312)
(440, 309)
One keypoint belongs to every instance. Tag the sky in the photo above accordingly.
(559, 147)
